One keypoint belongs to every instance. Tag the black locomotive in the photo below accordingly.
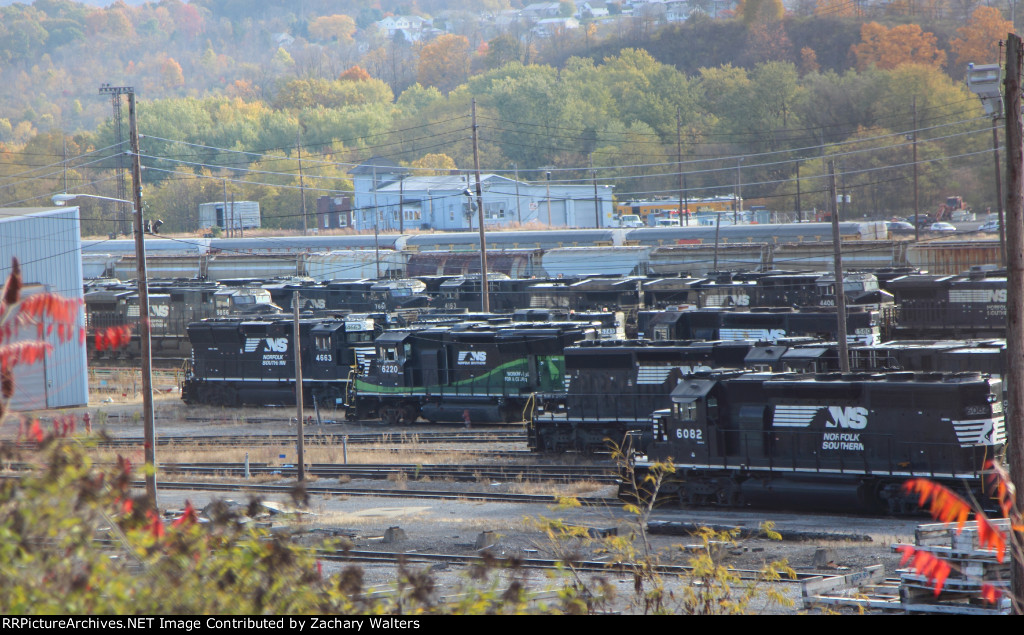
(969, 306)
(173, 305)
(614, 386)
(238, 361)
(847, 442)
(765, 324)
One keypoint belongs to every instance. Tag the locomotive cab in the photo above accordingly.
(687, 427)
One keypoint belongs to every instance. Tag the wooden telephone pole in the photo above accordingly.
(1014, 393)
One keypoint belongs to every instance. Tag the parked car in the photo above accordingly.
(899, 227)
(667, 222)
(942, 227)
(922, 220)
(990, 226)
(630, 220)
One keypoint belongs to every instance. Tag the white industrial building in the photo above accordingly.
(47, 243)
(230, 215)
(387, 197)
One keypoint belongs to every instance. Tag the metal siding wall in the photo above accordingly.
(48, 247)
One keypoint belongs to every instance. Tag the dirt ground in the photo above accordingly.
(828, 544)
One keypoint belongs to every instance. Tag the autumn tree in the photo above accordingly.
(808, 61)
(767, 41)
(170, 73)
(437, 164)
(333, 27)
(904, 44)
(760, 11)
(444, 62)
(354, 74)
(978, 40)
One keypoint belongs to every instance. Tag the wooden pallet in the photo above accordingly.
(867, 589)
(972, 567)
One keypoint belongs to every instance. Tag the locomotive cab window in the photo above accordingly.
(390, 354)
(686, 411)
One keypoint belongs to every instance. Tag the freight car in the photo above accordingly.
(846, 442)
(472, 373)
(239, 361)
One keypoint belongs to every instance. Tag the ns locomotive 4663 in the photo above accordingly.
(253, 361)
(838, 441)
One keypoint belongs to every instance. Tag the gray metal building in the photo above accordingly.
(47, 243)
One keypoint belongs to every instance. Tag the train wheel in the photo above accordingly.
(410, 413)
(390, 415)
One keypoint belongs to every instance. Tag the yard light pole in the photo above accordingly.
(985, 81)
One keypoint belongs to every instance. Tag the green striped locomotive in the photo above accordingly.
(471, 373)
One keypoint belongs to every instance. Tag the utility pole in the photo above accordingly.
(547, 176)
(376, 216)
(597, 201)
(146, 351)
(718, 226)
(401, 205)
(999, 191)
(799, 207)
(686, 201)
(679, 163)
(302, 184)
(519, 211)
(739, 192)
(1014, 395)
(917, 210)
(485, 293)
(300, 438)
(840, 291)
(227, 218)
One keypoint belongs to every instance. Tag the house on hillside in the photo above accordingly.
(413, 27)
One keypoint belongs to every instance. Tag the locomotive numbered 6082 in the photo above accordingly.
(838, 441)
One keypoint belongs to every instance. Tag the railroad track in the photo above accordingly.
(585, 566)
(362, 438)
(379, 471)
(322, 490)
(109, 377)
